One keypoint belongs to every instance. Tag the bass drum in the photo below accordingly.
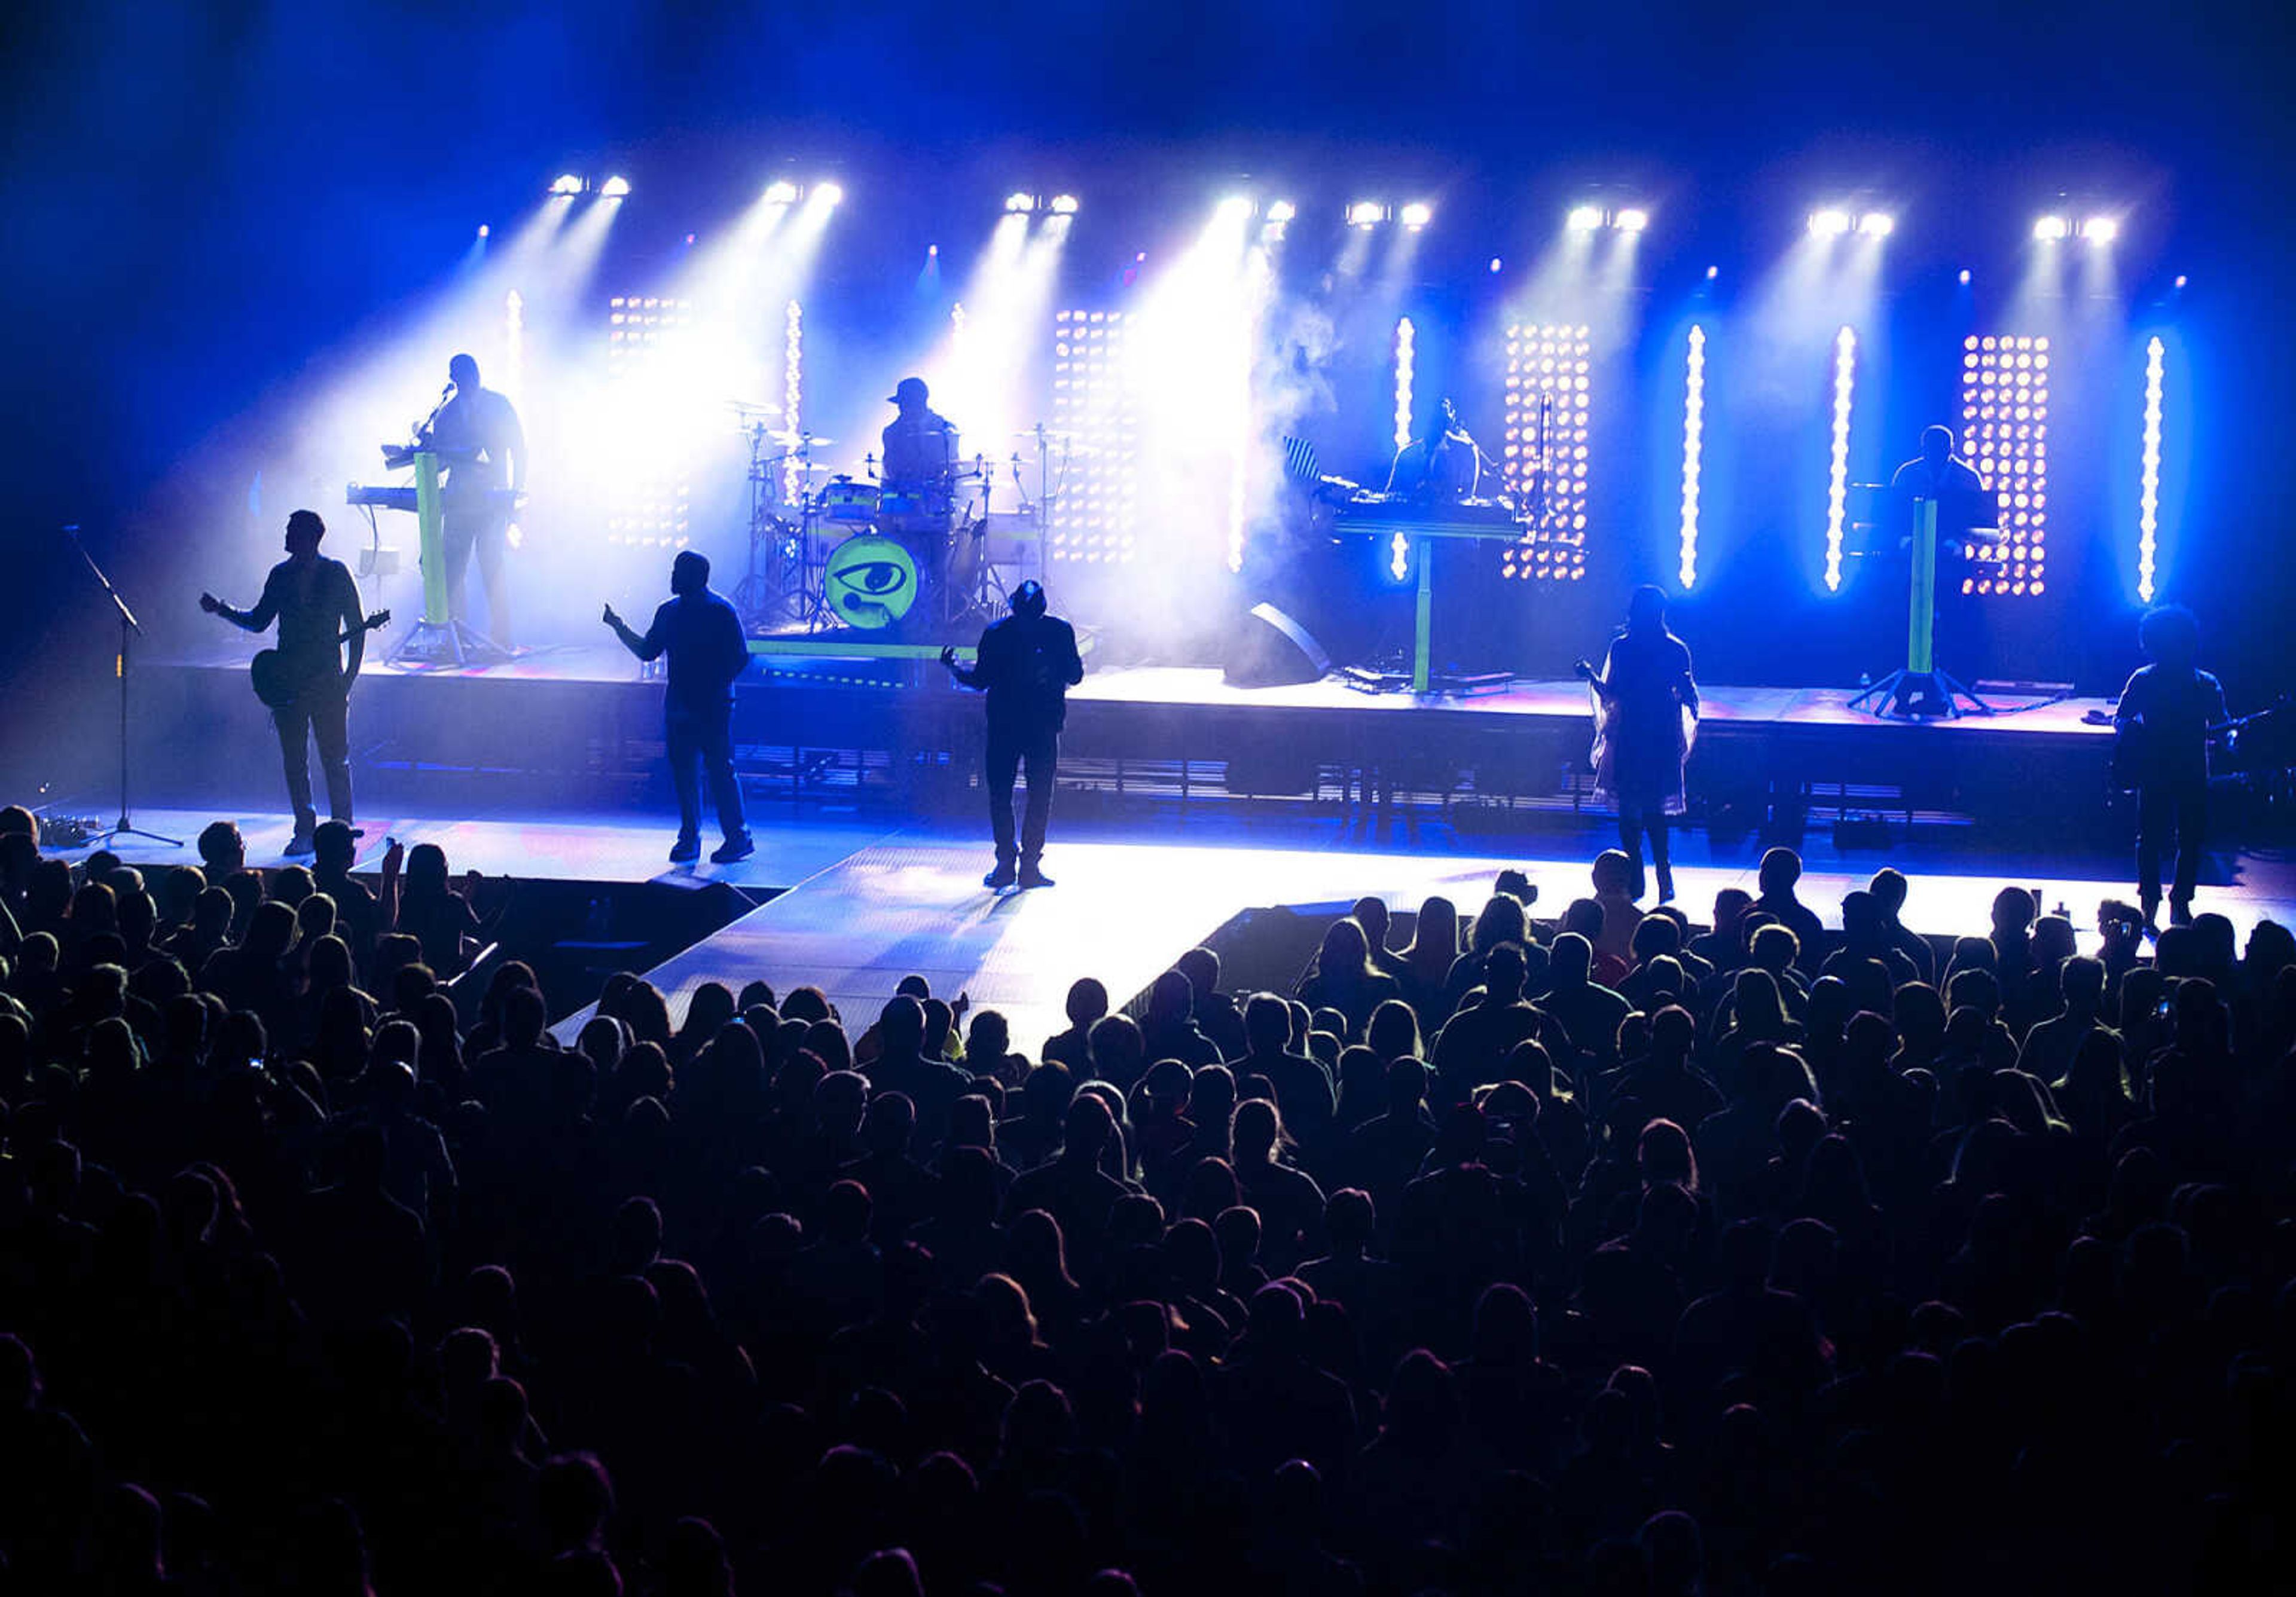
(870, 582)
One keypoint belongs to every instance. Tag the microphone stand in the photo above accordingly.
(128, 627)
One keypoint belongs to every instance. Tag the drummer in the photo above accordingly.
(920, 444)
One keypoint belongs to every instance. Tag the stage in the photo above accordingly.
(815, 725)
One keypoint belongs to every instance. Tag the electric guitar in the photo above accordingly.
(279, 687)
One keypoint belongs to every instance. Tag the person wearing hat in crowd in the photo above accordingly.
(1025, 664)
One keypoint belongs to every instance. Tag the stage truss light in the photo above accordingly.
(614, 188)
(1543, 452)
(1964, 277)
(647, 507)
(1367, 213)
(1064, 205)
(2004, 433)
(1095, 518)
(1694, 441)
(1829, 224)
(2100, 230)
(1019, 204)
(1837, 470)
(1877, 224)
(781, 192)
(485, 232)
(1282, 211)
(829, 196)
(1633, 219)
(566, 183)
(1415, 215)
(1583, 219)
(2047, 230)
(2148, 487)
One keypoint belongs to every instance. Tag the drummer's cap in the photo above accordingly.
(911, 391)
(1029, 598)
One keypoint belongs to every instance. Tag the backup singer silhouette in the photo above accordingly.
(315, 601)
(702, 636)
(1645, 719)
(1025, 664)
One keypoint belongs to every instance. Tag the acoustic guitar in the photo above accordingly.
(279, 687)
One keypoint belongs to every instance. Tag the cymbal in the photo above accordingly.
(754, 408)
(799, 440)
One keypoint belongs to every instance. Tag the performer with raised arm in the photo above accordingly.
(315, 601)
(1645, 720)
(2163, 726)
(700, 632)
(1025, 664)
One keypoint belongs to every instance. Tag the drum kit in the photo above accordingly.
(835, 550)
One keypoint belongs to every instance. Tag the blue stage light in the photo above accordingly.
(1877, 224)
(2100, 230)
(781, 192)
(829, 196)
(1584, 218)
(1416, 215)
(1282, 211)
(2049, 229)
(1367, 213)
(1633, 219)
(1064, 205)
(1829, 224)
(566, 182)
(614, 188)
(1965, 276)
(1019, 204)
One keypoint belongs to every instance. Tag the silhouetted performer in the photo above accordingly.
(2163, 721)
(1645, 719)
(1442, 467)
(1025, 664)
(702, 636)
(1966, 521)
(478, 497)
(315, 601)
(920, 444)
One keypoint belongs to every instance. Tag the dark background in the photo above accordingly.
(198, 200)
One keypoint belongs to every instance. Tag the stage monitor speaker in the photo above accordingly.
(1272, 650)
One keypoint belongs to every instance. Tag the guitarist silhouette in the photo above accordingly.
(315, 601)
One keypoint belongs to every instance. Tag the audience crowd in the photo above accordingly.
(1609, 1255)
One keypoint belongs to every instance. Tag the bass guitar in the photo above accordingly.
(278, 685)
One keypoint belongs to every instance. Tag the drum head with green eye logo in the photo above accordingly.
(870, 581)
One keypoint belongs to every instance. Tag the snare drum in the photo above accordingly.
(844, 499)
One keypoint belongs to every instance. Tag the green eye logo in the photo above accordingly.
(871, 581)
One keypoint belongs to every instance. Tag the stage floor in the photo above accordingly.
(867, 905)
(1726, 709)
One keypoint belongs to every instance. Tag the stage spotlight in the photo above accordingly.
(1497, 263)
(1965, 276)
(2049, 229)
(781, 192)
(2180, 280)
(1633, 219)
(1877, 224)
(1584, 218)
(566, 182)
(1367, 213)
(829, 194)
(2100, 230)
(1416, 215)
(1829, 224)
(1019, 204)
(614, 188)
(1236, 207)
(1064, 205)
(1282, 211)
(485, 231)
(1712, 272)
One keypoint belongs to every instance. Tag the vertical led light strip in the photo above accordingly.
(793, 483)
(1694, 441)
(1837, 477)
(2148, 497)
(1398, 551)
(514, 343)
